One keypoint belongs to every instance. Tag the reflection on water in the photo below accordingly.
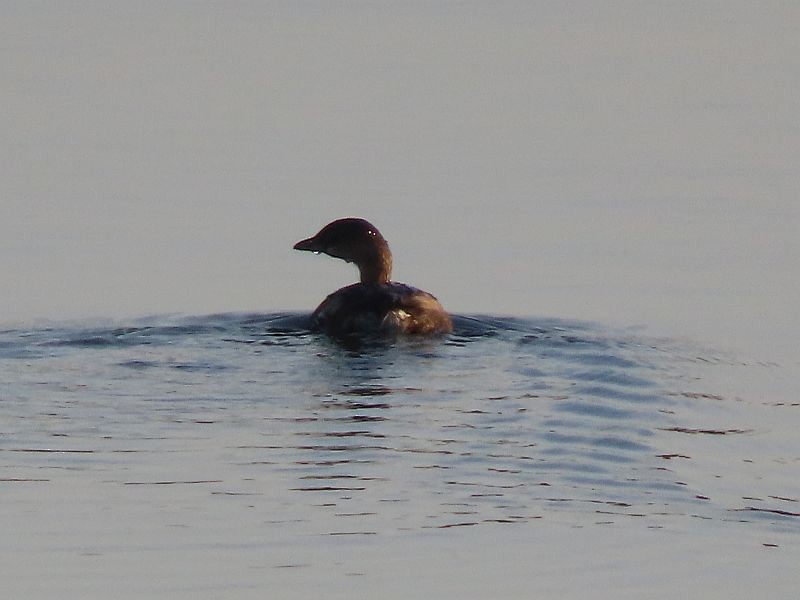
(506, 421)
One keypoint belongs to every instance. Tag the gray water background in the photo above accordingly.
(626, 173)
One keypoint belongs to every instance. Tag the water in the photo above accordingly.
(238, 453)
(619, 163)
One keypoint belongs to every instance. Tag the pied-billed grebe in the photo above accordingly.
(376, 304)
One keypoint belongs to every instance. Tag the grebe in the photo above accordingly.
(375, 304)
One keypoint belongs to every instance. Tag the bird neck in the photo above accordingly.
(377, 267)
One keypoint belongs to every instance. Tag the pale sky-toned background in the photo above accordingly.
(627, 162)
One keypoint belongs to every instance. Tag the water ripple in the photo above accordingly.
(505, 421)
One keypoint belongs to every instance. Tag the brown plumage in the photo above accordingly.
(376, 304)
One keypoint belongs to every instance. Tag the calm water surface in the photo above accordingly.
(233, 452)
